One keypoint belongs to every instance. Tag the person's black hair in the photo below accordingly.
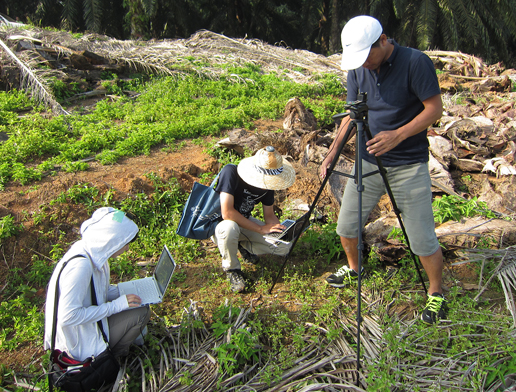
(377, 42)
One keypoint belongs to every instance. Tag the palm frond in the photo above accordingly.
(507, 276)
(93, 12)
(188, 359)
(505, 271)
(425, 23)
(405, 33)
(72, 11)
(383, 11)
(448, 26)
(149, 6)
(496, 28)
(466, 18)
(400, 7)
(507, 12)
(32, 84)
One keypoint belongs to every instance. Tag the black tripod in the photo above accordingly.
(358, 113)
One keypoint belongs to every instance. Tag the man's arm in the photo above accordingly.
(270, 216)
(387, 140)
(74, 287)
(332, 151)
(227, 205)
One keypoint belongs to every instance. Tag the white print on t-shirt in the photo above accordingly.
(249, 202)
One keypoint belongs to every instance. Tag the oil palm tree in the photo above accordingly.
(100, 16)
(482, 27)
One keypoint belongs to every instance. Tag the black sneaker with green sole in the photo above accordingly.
(344, 276)
(435, 308)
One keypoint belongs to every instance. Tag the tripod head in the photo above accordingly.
(357, 109)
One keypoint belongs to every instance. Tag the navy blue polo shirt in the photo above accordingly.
(394, 98)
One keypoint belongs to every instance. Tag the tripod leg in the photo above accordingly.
(345, 139)
(360, 189)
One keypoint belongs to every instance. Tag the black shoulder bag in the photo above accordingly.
(80, 376)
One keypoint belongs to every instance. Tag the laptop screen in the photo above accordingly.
(299, 227)
(164, 269)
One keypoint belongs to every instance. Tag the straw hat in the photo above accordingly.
(267, 170)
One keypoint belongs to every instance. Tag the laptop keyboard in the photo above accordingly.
(287, 223)
(147, 289)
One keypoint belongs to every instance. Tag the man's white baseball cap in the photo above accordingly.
(357, 37)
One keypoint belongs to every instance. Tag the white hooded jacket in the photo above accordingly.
(106, 232)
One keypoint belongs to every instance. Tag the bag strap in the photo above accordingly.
(94, 302)
(54, 321)
(56, 302)
(214, 182)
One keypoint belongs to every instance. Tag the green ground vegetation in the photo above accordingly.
(280, 330)
(167, 111)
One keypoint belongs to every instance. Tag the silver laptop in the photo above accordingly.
(152, 289)
(293, 229)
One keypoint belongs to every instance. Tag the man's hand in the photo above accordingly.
(324, 166)
(134, 301)
(271, 228)
(323, 170)
(387, 140)
(383, 142)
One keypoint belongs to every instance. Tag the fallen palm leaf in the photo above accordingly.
(328, 365)
(505, 271)
(499, 166)
(31, 83)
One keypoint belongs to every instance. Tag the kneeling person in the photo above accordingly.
(242, 187)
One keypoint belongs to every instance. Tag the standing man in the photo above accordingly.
(403, 100)
(241, 188)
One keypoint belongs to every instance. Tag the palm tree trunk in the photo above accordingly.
(335, 31)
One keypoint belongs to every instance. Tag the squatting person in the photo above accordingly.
(241, 188)
(106, 234)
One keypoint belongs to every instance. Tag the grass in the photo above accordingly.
(168, 109)
(287, 332)
(308, 315)
(450, 207)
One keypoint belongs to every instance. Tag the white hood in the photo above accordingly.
(106, 232)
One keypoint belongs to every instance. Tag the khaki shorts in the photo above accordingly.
(411, 188)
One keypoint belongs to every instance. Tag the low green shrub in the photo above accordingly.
(8, 227)
(450, 207)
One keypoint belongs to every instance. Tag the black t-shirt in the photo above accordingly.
(246, 196)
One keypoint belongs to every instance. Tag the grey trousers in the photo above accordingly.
(411, 188)
(227, 236)
(125, 327)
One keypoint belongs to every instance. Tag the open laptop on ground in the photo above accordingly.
(152, 289)
(293, 229)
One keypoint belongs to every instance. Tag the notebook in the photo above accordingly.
(152, 289)
(293, 229)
